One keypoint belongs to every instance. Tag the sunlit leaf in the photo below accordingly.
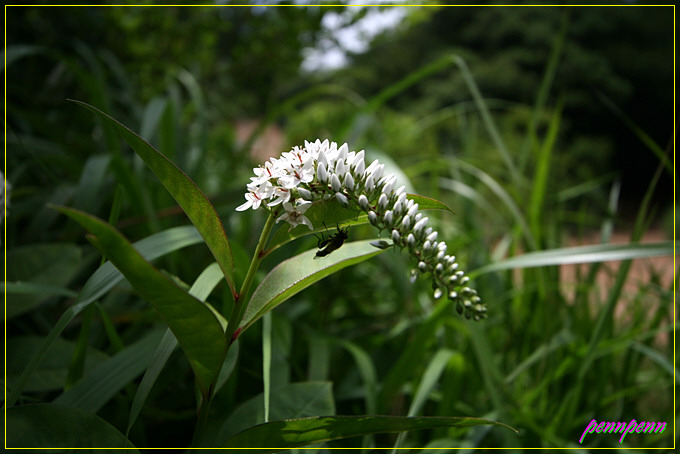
(297, 273)
(281, 435)
(291, 401)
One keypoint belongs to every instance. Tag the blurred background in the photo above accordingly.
(541, 127)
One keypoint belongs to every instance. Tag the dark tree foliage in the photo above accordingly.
(622, 53)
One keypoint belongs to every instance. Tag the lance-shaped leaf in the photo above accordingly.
(428, 203)
(580, 254)
(298, 273)
(192, 200)
(194, 325)
(281, 435)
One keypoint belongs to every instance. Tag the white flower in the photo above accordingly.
(294, 214)
(252, 200)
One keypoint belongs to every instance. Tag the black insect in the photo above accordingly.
(330, 244)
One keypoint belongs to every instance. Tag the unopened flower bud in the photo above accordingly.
(382, 201)
(413, 209)
(411, 240)
(335, 182)
(437, 293)
(342, 199)
(396, 236)
(321, 172)
(349, 181)
(305, 194)
(342, 152)
(359, 166)
(420, 225)
(431, 236)
(389, 185)
(370, 183)
(363, 202)
(373, 218)
(340, 167)
(388, 218)
(406, 222)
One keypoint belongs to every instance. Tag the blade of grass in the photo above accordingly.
(488, 121)
(544, 89)
(105, 380)
(579, 254)
(540, 180)
(427, 383)
(266, 360)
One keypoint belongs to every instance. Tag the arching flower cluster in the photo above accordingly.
(320, 170)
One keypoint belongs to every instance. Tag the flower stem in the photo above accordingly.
(203, 411)
(239, 304)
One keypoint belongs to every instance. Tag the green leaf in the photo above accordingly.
(196, 328)
(281, 435)
(96, 388)
(46, 265)
(192, 200)
(296, 400)
(428, 203)
(50, 426)
(99, 283)
(580, 254)
(297, 273)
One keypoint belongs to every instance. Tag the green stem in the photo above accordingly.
(239, 304)
(202, 422)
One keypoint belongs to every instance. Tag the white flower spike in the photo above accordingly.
(321, 170)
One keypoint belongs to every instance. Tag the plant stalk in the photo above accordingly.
(239, 304)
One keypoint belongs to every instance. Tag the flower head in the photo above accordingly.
(321, 170)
